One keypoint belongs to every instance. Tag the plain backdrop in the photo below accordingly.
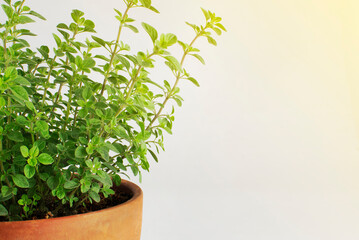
(267, 147)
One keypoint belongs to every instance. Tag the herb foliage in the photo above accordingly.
(65, 137)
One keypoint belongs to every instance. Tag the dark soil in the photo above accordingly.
(121, 195)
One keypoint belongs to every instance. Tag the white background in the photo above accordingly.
(267, 147)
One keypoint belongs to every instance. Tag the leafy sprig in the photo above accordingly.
(65, 137)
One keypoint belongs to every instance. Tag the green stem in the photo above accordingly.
(67, 114)
(115, 50)
(48, 79)
(178, 77)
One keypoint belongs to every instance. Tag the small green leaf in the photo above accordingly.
(76, 14)
(52, 182)
(133, 28)
(62, 26)
(171, 39)
(153, 155)
(146, 3)
(32, 161)
(25, 19)
(104, 152)
(15, 136)
(45, 159)
(80, 152)
(116, 179)
(87, 93)
(3, 211)
(89, 24)
(194, 81)
(57, 39)
(34, 151)
(8, 10)
(206, 14)
(20, 92)
(42, 125)
(99, 41)
(174, 62)
(94, 196)
(71, 184)
(221, 27)
(24, 151)
(20, 181)
(211, 40)
(199, 58)
(33, 13)
(22, 81)
(29, 171)
(153, 9)
(151, 31)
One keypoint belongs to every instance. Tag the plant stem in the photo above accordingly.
(67, 114)
(115, 50)
(48, 79)
(178, 77)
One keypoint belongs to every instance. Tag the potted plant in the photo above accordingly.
(75, 119)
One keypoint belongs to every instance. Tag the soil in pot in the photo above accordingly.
(53, 209)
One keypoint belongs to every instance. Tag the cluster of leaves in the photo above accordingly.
(66, 138)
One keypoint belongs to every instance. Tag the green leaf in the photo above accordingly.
(199, 58)
(89, 24)
(22, 81)
(133, 28)
(170, 39)
(221, 26)
(52, 182)
(206, 14)
(194, 81)
(8, 10)
(57, 39)
(29, 171)
(15, 136)
(71, 184)
(88, 63)
(146, 3)
(62, 26)
(174, 62)
(76, 14)
(32, 161)
(99, 41)
(33, 13)
(25, 19)
(45, 159)
(3, 211)
(123, 60)
(153, 9)
(20, 181)
(34, 151)
(20, 92)
(94, 196)
(211, 40)
(24, 151)
(42, 125)
(104, 152)
(153, 155)
(116, 179)
(87, 93)
(80, 152)
(151, 31)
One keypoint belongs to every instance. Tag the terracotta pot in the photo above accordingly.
(122, 222)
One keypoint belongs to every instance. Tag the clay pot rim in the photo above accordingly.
(137, 194)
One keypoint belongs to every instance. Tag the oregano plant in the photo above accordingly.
(76, 118)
